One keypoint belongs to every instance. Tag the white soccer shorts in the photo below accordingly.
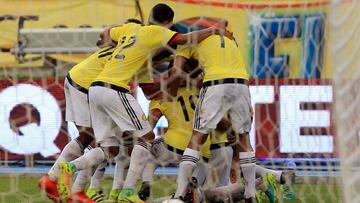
(77, 106)
(113, 112)
(217, 100)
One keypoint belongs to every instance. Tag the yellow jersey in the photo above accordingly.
(219, 56)
(86, 71)
(136, 44)
(179, 114)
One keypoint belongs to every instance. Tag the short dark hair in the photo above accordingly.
(161, 13)
(133, 20)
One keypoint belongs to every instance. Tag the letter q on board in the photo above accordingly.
(31, 137)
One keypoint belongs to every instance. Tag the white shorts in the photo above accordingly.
(77, 105)
(113, 112)
(217, 100)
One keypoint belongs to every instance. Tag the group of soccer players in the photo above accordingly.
(205, 98)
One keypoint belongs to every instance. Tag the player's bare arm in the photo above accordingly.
(198, 36)
(151, 90)
(173, 81)
(154, 117)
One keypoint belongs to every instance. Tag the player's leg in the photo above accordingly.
(72, 150)
(147, 177)
(94, 191)
(138, 126)
(106, 133)
(230, 193)
(189, 161)
(77, 110)
(241, 118)
(220, 163)
(122, 161)
(208, 113)
(78, 187)
(285, 178)
(233, 192)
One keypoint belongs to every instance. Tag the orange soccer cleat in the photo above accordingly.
(79, 197)
(49, 187)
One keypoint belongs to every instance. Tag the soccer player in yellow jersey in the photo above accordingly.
(224, 90)
(113, 109)
(168, 149)
(76, 86)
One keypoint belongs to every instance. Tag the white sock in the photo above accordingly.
(71, 151)
(220, 163)
(261, 171)
(139, 158)
(91, 159)
(98, 176)
(148, 172)
(186, 167)
(200, 173)
(81, 180)
(247, 165)
(119, 174)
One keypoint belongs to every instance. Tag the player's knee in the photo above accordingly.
(110, 152)
(85, 139)
(148, 137)
(198, 138)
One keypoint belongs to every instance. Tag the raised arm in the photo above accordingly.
(105, 38)
(198, 36)
(173, 81)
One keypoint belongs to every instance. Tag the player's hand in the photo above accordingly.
(231, 136)
(224, 32)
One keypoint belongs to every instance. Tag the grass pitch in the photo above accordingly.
(23, 189)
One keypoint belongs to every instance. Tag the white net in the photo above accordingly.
(345, 50)
(301, 57)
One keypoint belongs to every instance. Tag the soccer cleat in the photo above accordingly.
(67, 170)
(49, 187)
(259, 196)
(288, 192)
(272, 189)
(286, 180)
(113, 196)
(79, 197)
(144, 192)
(96, 195)
(129, 196)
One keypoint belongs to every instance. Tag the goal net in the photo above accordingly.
(304, 83)
(345, 50)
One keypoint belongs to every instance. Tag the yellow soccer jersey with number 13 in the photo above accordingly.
(136, 44)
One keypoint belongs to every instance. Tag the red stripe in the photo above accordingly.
(254, 6)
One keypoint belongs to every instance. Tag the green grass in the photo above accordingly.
(21, 189)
